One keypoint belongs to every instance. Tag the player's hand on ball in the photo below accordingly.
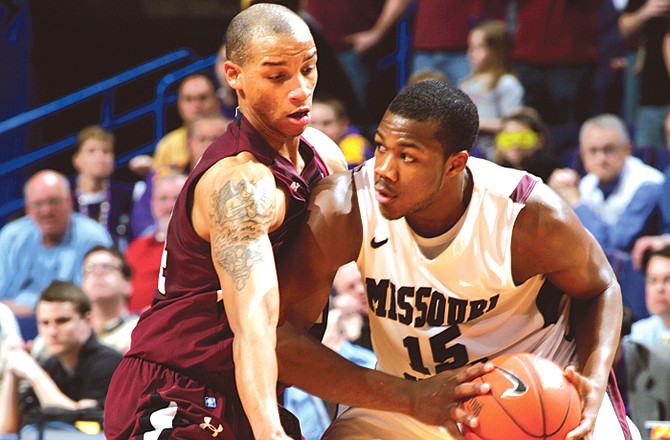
(437, 400)
(591, 402)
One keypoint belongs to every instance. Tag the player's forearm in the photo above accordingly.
(313, 367)
(597, 335)
(256, 379)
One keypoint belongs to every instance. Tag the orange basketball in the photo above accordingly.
(529, 399)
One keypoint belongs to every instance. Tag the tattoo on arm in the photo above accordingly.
(241, 213)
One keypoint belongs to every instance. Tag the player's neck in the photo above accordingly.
(446, 211)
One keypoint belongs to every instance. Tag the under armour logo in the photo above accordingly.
(295, 186)
(518, 386)
(375, 244)
(207, 425)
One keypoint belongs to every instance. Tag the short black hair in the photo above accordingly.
(258, 20)
(126, 271)
(66, 291)
(662, 252)
(441, 102)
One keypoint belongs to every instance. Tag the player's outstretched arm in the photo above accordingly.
(240, 203)
(572, 259)
(332, 237)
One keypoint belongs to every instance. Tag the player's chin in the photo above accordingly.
(390, 213)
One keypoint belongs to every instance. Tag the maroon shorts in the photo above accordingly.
(148, 400)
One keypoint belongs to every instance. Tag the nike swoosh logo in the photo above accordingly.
(518, 386)
(375, 244)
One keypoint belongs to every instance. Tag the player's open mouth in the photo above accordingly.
(301, 116)
(382, 195)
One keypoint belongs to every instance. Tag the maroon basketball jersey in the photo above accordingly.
(186, 329)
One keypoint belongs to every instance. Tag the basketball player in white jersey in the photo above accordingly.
(462, 261)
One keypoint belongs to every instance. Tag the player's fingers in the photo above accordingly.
(459, 415)
(474, 371)
(452, 429)
(582, 432)
(470, 389)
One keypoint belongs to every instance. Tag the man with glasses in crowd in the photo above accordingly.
(617, 201)
(47, 244)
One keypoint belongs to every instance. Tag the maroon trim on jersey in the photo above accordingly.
(523, 189)
(619, 407)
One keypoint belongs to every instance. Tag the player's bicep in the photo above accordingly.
(568, 255)
(241, 210)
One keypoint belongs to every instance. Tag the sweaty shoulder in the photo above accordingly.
(327, 149)
(546, 233)
(235, 183)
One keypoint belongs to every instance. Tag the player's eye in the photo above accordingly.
(407, 158)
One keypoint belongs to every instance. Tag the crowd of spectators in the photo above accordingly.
(546, 94)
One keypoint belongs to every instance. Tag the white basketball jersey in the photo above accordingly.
(428, 316)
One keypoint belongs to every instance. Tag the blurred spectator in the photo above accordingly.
(646, 351)
(432, 48)
(47, 244)
(656, 328)
(649, 21)
(654, 243)
(330, 116)
(426, 75)
(608, 85)
(358, 32)
(95, 194)
(492, 87)
(145, 252)
(617, 201)
(107, 284)
(196, 97)
(203, 131)
(350, 299)
(10, 334)
(556, 55)
(77, 374)
(522, 143)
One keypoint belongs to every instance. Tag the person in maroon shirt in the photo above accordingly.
(202, 360)
(556, 55)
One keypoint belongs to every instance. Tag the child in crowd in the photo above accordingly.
(330, 116)
(522, 143)
(492, 87)
(95, 193)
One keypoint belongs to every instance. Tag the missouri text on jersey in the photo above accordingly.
(418, 306)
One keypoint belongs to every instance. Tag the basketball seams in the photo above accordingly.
(508, 413)
(537, 389)
(531, 370)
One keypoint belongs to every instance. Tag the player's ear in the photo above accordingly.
(456, 162)
(233, 72)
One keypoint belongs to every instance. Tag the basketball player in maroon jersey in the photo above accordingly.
(202, 361)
